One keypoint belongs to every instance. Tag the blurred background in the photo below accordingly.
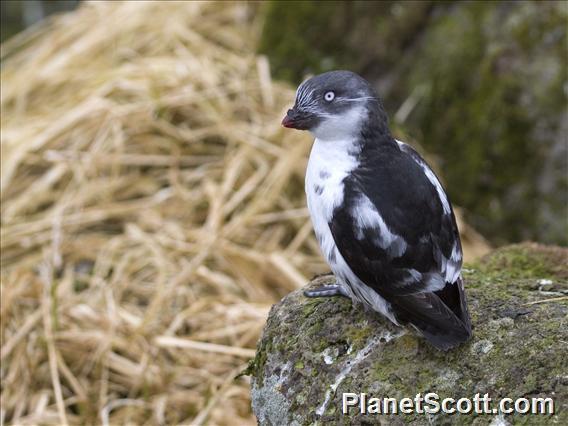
(153, 207)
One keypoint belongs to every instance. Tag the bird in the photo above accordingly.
(382, 219)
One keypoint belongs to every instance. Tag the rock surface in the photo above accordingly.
(313, 350)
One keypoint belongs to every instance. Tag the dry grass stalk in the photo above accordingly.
(152, 211)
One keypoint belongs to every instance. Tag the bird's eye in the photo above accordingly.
(329, 96)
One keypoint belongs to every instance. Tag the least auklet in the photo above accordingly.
(382, 219)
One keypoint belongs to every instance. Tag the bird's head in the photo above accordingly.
(333, 105)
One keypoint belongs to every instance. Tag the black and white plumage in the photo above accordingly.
(382, 219)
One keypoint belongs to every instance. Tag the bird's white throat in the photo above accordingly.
(340, 127)
(329, 164)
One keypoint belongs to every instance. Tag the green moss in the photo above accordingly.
(358, 336)
(288, 34)
(255, 367)
(311, 36)
(524, 260)
(309, 308)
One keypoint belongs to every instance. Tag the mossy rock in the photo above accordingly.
(303, 37)
(313, 350)
(493, 109)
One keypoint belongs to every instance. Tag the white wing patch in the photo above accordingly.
(432, 178)
(452, 266)
(434, 181)
(365, 215)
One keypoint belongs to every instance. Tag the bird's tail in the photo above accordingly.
(444, 338)
(441, 317)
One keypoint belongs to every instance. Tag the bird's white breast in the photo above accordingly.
(329, 164)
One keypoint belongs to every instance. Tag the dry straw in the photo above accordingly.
(152, 211)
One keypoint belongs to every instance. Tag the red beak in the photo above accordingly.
(288, 122)
(297, 120)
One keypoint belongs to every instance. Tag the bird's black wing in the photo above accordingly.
(397, 232)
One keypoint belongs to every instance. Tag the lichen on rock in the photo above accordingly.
(313, 350)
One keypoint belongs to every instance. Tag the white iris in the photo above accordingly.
(329, 96)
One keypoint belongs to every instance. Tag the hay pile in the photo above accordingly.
(152, 211)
